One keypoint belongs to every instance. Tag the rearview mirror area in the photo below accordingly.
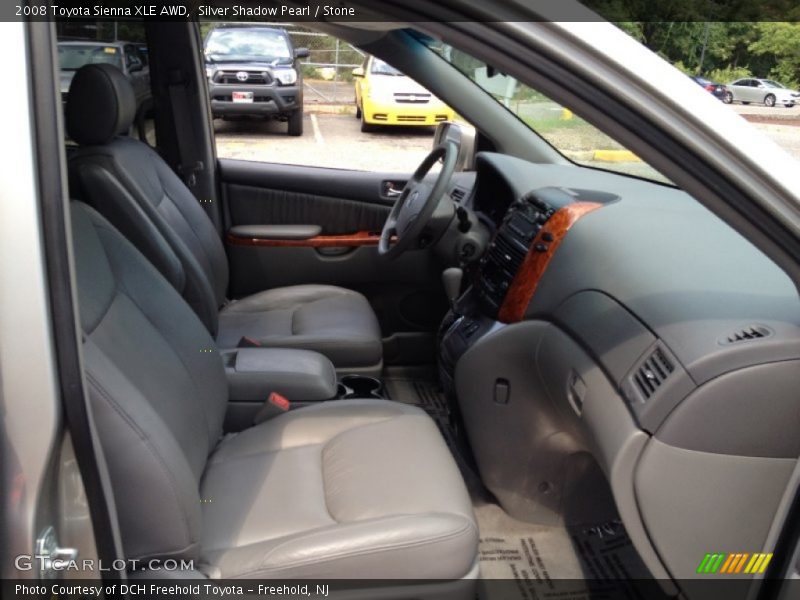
(358, 72)
(302, 53)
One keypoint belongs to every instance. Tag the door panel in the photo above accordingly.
(251, 205)
(350, 207)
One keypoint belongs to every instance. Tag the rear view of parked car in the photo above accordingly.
(761, 91)
(252, 71)
(719, 90)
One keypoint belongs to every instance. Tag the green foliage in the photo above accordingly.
(781, 41)
(728, 74)
(719, 50)
(683, 68)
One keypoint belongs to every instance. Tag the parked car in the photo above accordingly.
(253, 71)
(761, 91)
(126, 56)
(719, 90)
(386, 96)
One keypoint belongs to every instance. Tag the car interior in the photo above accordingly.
(520, 368)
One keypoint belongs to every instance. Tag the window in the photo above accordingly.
(260, 44)
(289, 95)
(573, 137)
(73, 55)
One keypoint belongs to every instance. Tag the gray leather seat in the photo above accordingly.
(348, 489)
(129, 183)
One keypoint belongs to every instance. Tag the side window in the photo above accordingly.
(287, 94)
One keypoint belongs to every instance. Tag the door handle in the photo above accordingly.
(392, 189)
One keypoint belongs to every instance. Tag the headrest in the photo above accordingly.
(101, 104)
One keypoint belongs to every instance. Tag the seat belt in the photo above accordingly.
(186, 142)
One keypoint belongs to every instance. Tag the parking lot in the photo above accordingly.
(332, 138)
(328, 140)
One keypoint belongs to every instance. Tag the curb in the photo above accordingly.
(615, 156)
(602, 155)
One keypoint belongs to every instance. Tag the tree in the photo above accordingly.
(780, 42)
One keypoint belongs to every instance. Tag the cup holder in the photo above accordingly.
(359, 386)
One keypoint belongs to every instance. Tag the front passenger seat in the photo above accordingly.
(352, 489)
(132, 186)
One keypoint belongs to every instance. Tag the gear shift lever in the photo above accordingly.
(451, 280)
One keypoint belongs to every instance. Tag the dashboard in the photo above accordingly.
(619, 319)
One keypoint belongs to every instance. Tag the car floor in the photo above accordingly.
(585, 555)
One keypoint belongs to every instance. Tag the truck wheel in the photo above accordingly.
(296, 123)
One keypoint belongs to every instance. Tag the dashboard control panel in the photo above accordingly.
(509, 248)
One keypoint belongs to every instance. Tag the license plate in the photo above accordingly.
(243, 97)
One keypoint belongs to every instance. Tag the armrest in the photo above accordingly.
(299, 375)
(276, 232)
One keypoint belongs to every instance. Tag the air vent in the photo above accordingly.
(458, 194)
(653, 372)
(752, 332)
(507, 254)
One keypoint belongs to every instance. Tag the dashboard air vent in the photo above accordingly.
(752, 332)
(506, 253)
(653, 372)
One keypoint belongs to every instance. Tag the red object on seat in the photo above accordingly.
(279, 401)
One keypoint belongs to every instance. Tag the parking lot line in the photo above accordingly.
(317, 133)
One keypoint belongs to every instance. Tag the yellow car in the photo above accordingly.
(384, 96)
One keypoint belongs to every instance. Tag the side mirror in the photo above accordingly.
(134, 66)
(358, 72)
(301, 53)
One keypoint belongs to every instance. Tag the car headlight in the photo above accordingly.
(286, 76)
(210, 72)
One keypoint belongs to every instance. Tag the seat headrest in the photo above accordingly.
(101, 104)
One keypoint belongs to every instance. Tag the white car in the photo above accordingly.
(761, 91)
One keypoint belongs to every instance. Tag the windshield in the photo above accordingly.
(73, 56)
(576, 139)
(247, 44)
(381, 68)
(772, 84)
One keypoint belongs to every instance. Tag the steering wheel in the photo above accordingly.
(417, 202)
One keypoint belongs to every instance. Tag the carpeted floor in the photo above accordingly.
(534, 561)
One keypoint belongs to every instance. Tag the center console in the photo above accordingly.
(303, 377)
(523, 244)
(509, 248)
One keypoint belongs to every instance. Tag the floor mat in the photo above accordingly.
(526, 561)
(420, 387)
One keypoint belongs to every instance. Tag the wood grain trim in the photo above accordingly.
(535, 263)
(359, 238)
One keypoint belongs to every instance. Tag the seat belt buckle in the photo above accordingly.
(274, 402)
(279, 401)
(247, 342)
(189, 172)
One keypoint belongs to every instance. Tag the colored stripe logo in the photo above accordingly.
(720, 563)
